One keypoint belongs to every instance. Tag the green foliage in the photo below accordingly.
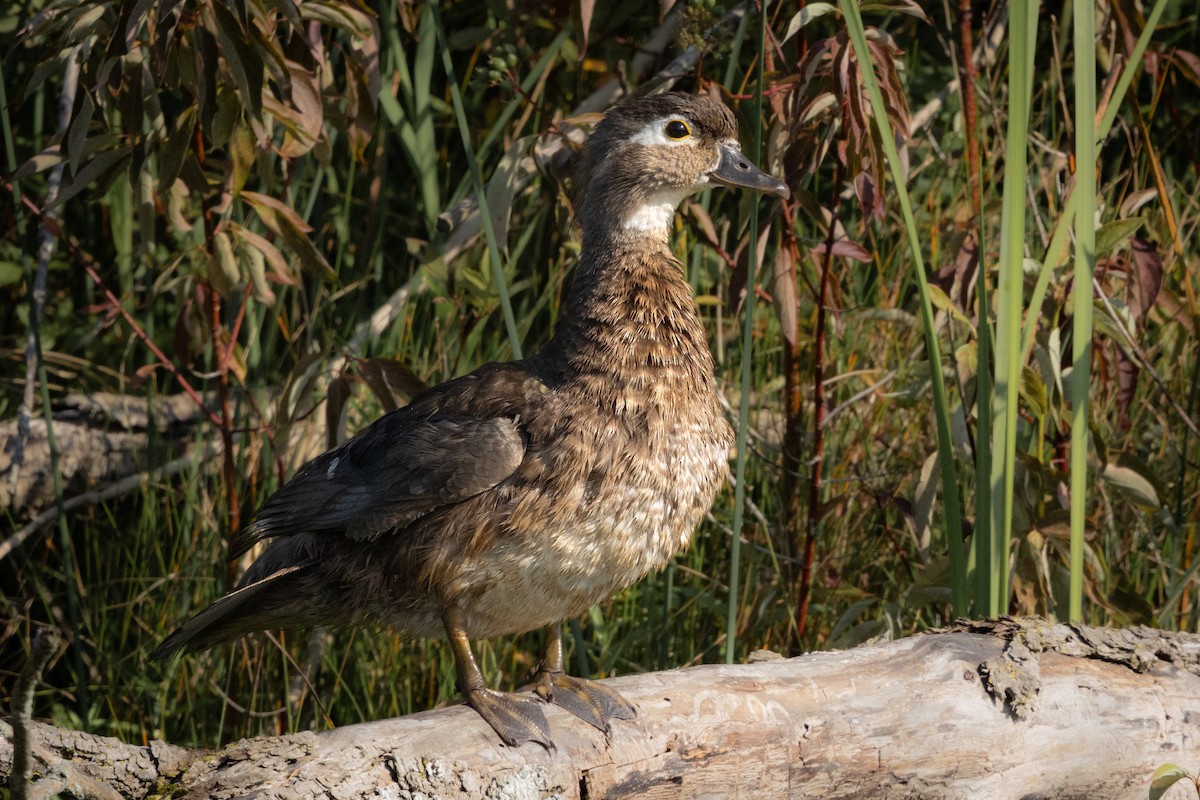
(250, 183)
(1167, 776)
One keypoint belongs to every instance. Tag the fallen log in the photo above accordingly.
(1003, 709)
(102, 438)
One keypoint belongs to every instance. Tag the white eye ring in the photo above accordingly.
(673, 131)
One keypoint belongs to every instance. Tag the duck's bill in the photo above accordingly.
(736, 170)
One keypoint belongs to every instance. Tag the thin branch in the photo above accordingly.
(44, 645)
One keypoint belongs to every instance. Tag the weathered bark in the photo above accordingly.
(986, 710)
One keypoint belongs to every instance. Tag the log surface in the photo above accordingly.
(1005, 709)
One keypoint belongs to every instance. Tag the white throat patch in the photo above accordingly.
(657, 213)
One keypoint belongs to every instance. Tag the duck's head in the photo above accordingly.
(649, 153)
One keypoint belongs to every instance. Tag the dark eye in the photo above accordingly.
(678, 129)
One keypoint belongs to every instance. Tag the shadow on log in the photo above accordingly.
(1003, 709)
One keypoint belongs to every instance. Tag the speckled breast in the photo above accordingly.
(607, 502)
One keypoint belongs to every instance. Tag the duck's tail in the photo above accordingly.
(274, 601)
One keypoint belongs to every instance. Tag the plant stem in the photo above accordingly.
(1023, 27)
(739, 492)
(1085, 263)
(981, 539)
(818, 451)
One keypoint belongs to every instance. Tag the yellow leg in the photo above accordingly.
(514, 719)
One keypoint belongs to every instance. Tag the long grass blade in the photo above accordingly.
(489, 230)
(1023, 28)
(743, 428)
(414, 122)
(1085, 263)
(1057, 248)
(949, 473)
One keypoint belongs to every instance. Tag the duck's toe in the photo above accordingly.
(515, 719)
(592, 702)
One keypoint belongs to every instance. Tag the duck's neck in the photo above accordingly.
(630, 318)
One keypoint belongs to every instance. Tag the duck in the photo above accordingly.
(517, 496)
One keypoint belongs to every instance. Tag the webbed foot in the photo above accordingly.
(592, 702)
(515, 719)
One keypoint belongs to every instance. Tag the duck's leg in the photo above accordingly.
(514, 719)
(590, 701)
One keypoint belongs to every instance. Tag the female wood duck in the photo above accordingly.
(519, 495)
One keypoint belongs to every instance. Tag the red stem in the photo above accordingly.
(814, 480)
(967, 86)
(89, 266)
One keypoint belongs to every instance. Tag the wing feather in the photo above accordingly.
(390, 475)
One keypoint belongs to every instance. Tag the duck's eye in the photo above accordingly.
(678, 129)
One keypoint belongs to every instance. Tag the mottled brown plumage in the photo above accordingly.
(517, 496)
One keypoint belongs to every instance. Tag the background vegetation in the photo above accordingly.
(241, 186)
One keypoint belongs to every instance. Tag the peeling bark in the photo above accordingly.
(1004, 709)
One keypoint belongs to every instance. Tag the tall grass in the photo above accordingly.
(733, 601)
(485, 215)
(1083, 21)
(941, 409)
(993, 541)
